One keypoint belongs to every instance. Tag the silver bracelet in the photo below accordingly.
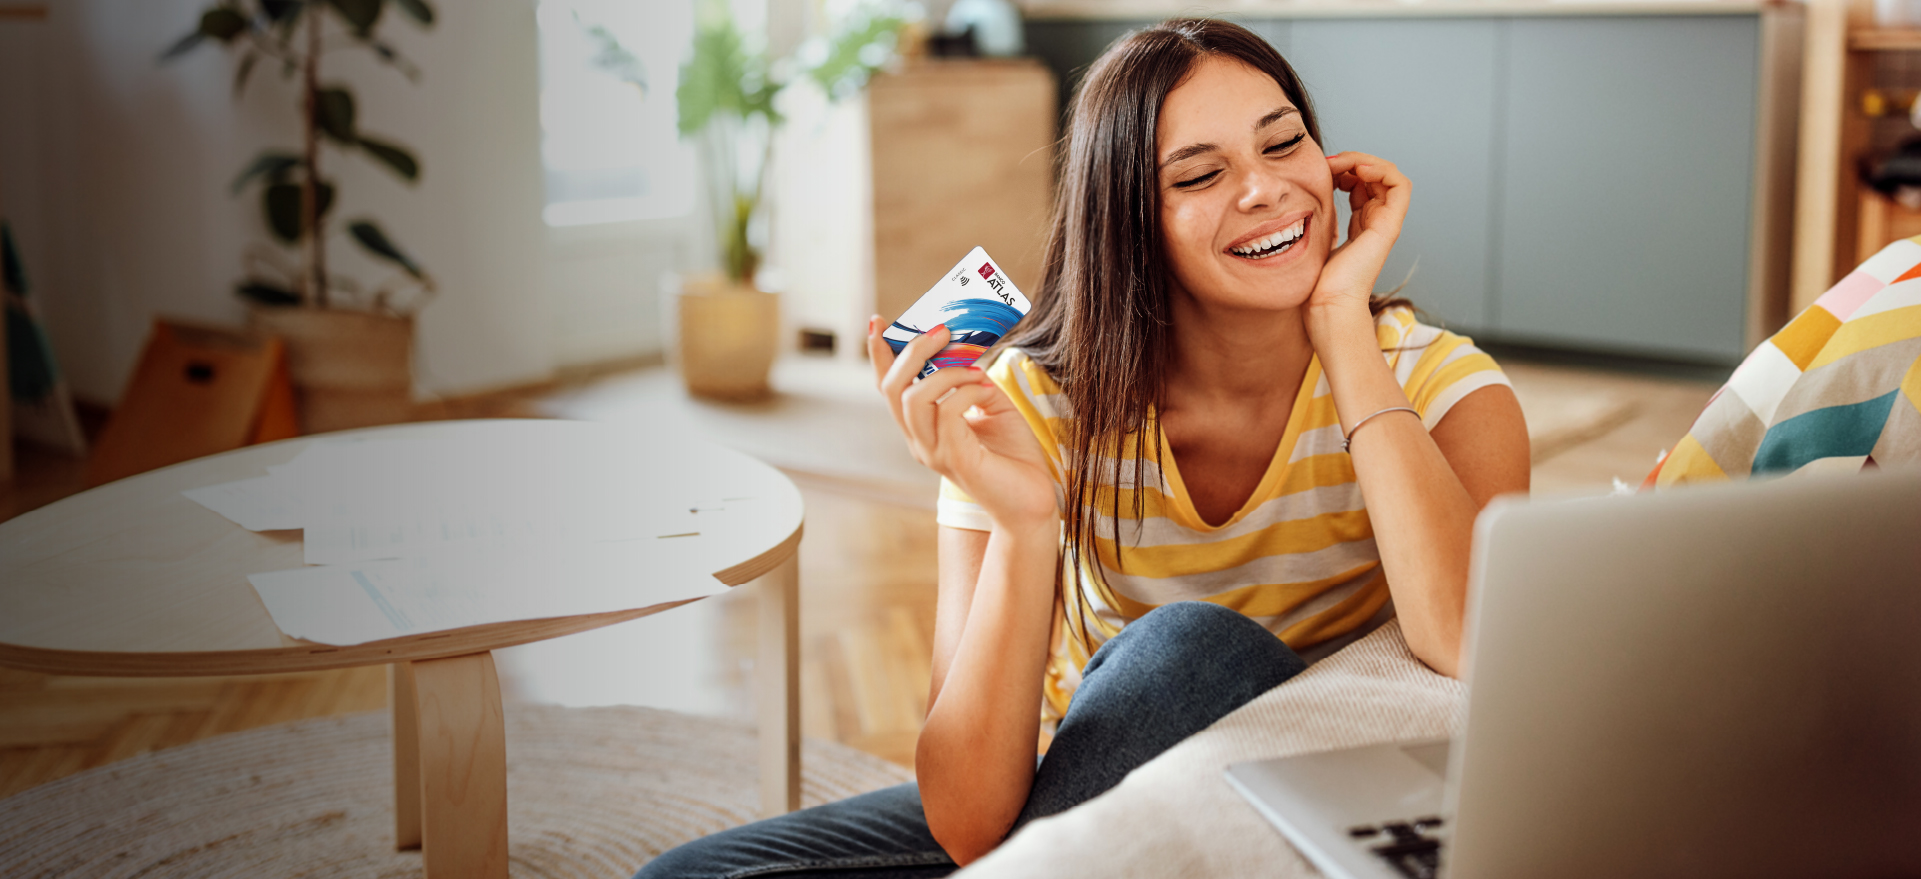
(1349, 438)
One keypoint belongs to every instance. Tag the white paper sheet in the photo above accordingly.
(263, 503)
(378, 499)
(522, 520)
(376, 600)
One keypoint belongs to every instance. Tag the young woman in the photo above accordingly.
(1209, 453)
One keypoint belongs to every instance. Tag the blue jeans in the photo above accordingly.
(1165, 677)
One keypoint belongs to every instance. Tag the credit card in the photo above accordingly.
(977, 303)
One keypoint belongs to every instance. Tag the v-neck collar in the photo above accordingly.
(1182, 504)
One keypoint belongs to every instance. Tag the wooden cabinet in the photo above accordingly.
(1610, 182)
(1838, 221)
(876, 197)
(962, 157)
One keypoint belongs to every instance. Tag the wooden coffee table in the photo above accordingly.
(133, 579)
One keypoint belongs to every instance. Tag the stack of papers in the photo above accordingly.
(504, 521)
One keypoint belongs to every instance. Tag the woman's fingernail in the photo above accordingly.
(938, 327)
(975, 368)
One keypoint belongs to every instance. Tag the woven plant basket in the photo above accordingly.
(350, 368)
(728, 337)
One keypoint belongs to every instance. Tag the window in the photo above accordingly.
(608, 139)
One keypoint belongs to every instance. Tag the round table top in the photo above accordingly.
(133, 578)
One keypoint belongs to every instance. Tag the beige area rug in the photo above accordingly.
(826, 421)
(593, 793)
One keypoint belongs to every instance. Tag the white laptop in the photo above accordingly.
(1705, 682)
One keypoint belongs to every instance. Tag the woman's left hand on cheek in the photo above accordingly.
(1377, 195)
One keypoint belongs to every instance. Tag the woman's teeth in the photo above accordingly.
(1274, 243)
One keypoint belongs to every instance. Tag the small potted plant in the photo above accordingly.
(728, 328)
(350, 345)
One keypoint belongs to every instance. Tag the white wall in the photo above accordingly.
(605, 285)
(823, 220)
(114, 172)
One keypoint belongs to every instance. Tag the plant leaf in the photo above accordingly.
(281, 202)
(418, 9)
(617, 59)
(394, 157)
(182, 46)
(370, 237)
(388, 54)
(722, 76)
(361, 14)
(271, 164)
(222, 24)
(279, 10)
(289, 18)
(864, 44)
(13, 275)
(245, 70)
(266, 294)
(335, 109)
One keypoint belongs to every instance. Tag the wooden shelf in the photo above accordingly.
(1885, 40)
(1883, 221)
(22, 12)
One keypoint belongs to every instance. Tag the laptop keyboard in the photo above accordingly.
(1409, 846)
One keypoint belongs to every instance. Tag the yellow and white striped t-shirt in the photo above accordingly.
(1298, 557)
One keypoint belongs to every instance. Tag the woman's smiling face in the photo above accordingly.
(1247, 201)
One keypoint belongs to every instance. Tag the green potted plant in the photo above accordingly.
(350, 345)
(728, 328)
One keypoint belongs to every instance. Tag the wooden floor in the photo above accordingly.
(867, 611)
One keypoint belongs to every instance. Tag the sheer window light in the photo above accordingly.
(608, 142)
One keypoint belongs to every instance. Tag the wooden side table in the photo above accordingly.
(133, 579)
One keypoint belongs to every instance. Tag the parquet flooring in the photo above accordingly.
(867, 621)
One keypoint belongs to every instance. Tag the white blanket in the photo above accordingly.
(1177, 816)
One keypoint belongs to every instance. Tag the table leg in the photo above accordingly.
(462, 766)
(778, 689)
(400, 693)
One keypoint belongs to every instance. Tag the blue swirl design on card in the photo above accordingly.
(975, 324)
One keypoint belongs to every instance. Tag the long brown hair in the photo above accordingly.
(1101, 326)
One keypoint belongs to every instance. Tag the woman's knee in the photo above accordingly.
(1199, 637)
(1168, 675)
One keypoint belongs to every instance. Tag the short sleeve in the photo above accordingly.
(1436, 368)
(956, 510)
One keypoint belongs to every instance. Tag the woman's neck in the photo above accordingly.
(1239, 356)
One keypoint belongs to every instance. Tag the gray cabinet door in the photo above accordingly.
(1419, 93)
(1629, 160)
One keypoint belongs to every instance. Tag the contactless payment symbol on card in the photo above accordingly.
(976, 302)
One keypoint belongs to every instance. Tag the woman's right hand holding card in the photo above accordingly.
(959, 424)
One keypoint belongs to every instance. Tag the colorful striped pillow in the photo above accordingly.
(1838, 388)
